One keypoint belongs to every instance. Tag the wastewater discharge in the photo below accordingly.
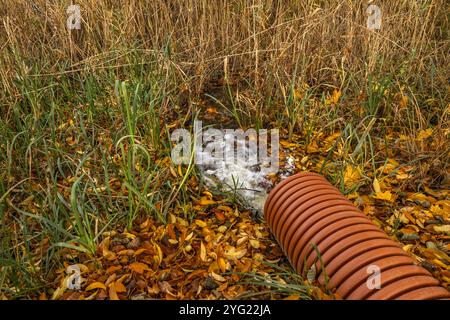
(249, 182)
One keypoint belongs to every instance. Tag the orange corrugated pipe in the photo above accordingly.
(316, 226)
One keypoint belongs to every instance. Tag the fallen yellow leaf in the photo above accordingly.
(222, 264)
(204, 201)
(312, 147)
(254, 243)
(443, 229)
(202, 251)
(235, 254)
(376, 186)
(112, 292)
(200, 223)
(139, 251)
(287, 144)
(387, 196)
(402, 176)
(95, 285)
(351, 175)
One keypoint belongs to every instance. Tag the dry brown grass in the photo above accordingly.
(316, 41)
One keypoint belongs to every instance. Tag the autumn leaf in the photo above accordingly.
(220, 216)
(408, 247)
(387, 196)
(351, 175)
(254, 243)
(120, 288)
(225, 208)
(436, 209)
(104, 247)
(376, 186)
(235, 254)
(334, 99)
(312, 147)
(58, 292)
(172, 171)
(288, 144)
(166, 287)
(113, 269)
(138, 267)
(112, 292)
(139, 251)
(129, 235)
(222, 264)
(432, 192)
(420, 197)
(425, 134)
(217, 277)
(204, 201)
(160, 253)
(208, 194)
(200, 223)
(95, 285)
(212, 110)
(202, 252)
(402, 176)
(71, 141)
(443, 229)
(298, 94)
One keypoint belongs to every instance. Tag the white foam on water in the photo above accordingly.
(250, 181)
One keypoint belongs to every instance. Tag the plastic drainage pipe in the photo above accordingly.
(317, 227)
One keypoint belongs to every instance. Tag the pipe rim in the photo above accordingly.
(287, 180)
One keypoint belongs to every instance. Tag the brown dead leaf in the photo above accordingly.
(138, 267)
(113, 269)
